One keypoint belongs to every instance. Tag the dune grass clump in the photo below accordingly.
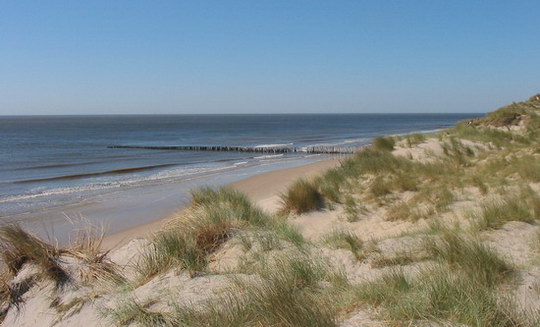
(494, 215)
(414, 139)
(170, 249)
(302, 196)
(523, 207)
(352, 209)
(329, 184)
(404, 181)
(439, 293)
(95, 265)
(384, 143)
(457, 151)
(18, 247)
(470, 255)
(81, 263)
(130, 311)
(424, 204)
(528, 167)
(11, 293)
(460, 287)
(345, 240)
(390, 173)
(375, 162)
(402, 210)
(496, 126)
(398, 181)
(497, 137)
(289, 233)
(480, 183)
(214, 217)
(380, 187)
(288, 292)
(506, 116)
(241, 206)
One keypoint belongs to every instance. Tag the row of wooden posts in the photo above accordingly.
(322, 149)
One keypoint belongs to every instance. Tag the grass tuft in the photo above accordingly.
(460, 288)
(293, 290)
(442, 294)
(329, 184)
(414, 139)
(523, 207)
(346, 240)
(289, 294)
(170, 249)
(95, 264)
(214, 217)
(384, 143)
(18, 247)
(302, 196)
(352, 209)
(130, 311)
(469, 255)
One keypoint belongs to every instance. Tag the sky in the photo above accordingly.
(258, 56)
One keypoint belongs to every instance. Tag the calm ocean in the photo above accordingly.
(59, 163)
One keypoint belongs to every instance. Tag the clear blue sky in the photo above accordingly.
(94, 57)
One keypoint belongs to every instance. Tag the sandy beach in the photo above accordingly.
(263, 189)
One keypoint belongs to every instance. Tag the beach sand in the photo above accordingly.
(262, 189)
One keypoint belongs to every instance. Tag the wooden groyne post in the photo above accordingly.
(322, 149)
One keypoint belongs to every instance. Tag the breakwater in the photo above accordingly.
(322, 149)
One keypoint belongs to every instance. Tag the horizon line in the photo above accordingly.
(247, 114)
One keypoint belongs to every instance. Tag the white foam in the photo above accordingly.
(336, 144)
(241, 163)
(271, 156)
(111, 183)
(277, 145)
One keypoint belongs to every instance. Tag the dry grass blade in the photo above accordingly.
(18, 247)
(95, 264)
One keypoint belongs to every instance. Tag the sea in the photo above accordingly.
(55, 170)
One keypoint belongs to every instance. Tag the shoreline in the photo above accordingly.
(260, 189)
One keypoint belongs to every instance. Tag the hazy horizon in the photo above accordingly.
(280, 57)
(248, 114)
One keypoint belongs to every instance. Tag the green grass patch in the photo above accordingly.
(214, 217)
(469, 255)
(527, 166)
(290, 292)
(414, 139)
(346, 240)
(460, 288)
(384, 143)
(329, 184)
(523, 207)
(352, 209)
(440, 293)
(302, 196)
(130, 311)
